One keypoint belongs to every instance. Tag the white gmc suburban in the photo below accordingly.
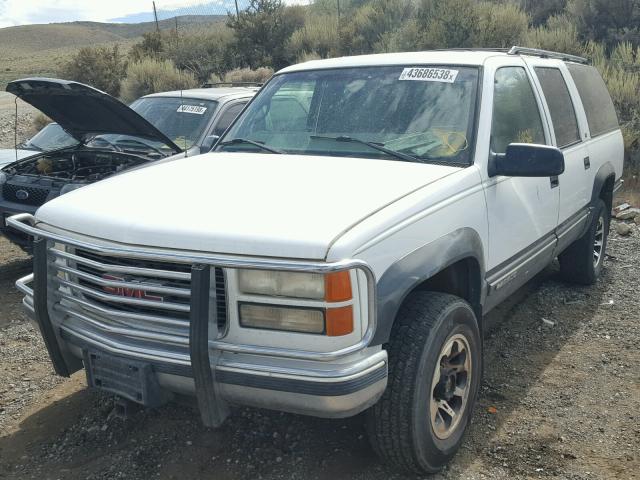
(338, 251)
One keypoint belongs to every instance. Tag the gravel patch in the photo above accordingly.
(560, 399)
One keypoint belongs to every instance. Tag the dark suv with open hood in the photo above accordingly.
(110, 137)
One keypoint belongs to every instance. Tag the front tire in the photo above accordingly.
(435, 366)
(582, 261)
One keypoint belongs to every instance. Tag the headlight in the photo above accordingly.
(333, 322)
(331, 287)
(3, 178)
(322, 317)
(292, 319)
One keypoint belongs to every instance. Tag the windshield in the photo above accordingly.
(51, 137)
(424, 113)
(181, 120)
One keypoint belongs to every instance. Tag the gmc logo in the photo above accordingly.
(129, 292)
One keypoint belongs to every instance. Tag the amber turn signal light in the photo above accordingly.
(339, 321)
(337, 286)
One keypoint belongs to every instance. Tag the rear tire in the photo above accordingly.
(582, 261)
(435, 366)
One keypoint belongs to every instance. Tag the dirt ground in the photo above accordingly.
(562, 377)
(566, 397)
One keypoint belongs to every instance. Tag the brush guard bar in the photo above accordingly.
(204, 349)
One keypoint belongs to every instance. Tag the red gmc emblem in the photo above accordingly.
(129, 292)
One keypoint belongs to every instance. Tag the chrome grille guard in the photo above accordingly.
(200, 345)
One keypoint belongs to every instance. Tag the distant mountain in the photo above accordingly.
(26, 38)
(29, 50)
(205, 9)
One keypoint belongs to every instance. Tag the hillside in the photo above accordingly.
(38, 49)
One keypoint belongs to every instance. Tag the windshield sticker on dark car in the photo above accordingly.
(198, 110)
(429, 74)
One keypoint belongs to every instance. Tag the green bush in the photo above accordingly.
(559, 35)
(367, 28)
(151, 45)
(202, 52)
(151, 76)
(438, 24)
(500, 25)
(307, 57)
(100, 67)
(259, 75)
(261, 31)
(319, 35)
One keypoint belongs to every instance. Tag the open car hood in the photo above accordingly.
(84, 111)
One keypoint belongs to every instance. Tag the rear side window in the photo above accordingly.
(597, 103)
(563, 116)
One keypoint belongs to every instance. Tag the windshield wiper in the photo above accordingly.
(375, 145)
(236, 141)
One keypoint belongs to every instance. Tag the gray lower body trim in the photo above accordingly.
(324, 389)
(572, 229)
(507, 277)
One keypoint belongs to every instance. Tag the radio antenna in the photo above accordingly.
(15, 130)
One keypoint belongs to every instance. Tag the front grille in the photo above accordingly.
(137, 302)
(24, 194)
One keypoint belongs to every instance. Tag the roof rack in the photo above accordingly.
(232, 84)
(537, 52)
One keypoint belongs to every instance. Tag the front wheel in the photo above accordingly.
(435, 366)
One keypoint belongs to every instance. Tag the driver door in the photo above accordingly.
(522, 212)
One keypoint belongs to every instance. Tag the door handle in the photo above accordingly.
(587, 163)
(554, 181)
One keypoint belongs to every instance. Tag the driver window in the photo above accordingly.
(516, 117)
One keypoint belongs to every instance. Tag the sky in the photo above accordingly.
(23, 12)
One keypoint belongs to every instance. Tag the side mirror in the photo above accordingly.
(527, 160)
(209, 142)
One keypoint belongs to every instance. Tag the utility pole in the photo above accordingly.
(338, 28)
(155, 15)
(237, 10)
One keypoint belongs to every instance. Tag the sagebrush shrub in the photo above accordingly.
(151, 76)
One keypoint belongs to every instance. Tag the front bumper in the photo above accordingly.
(327, 384)
(8, 209)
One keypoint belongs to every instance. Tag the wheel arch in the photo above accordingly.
(603, 185)
(454, 263)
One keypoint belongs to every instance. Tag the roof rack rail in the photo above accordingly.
(232, 84)
(537, 52)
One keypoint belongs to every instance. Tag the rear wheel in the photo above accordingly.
(582, 261)
(435, 366)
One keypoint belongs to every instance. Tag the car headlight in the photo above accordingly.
(327, 290)
(3, 178)
(331, 287)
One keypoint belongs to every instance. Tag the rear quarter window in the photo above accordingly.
(563, 115)
(601, 114)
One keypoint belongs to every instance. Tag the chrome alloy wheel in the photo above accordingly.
(450, 386)
(598, 242)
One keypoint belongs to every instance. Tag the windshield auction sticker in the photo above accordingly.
(429, 74)
(198, 110)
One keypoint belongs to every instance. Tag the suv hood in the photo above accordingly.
(84, 111)
(289, 206)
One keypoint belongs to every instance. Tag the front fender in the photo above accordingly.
(419, 265)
